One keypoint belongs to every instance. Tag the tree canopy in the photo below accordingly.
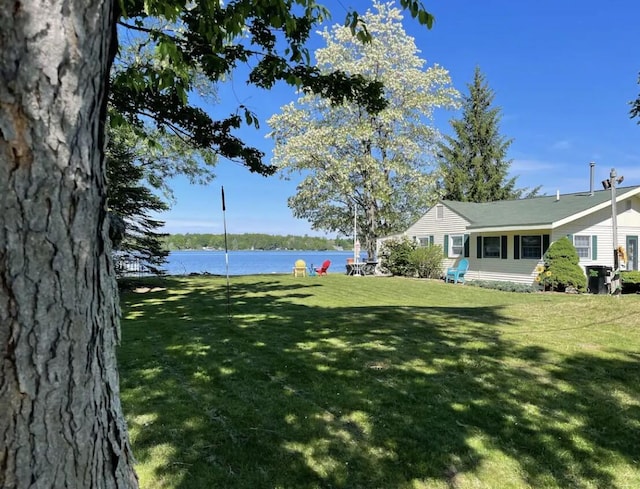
(179, 49)
(374, 164)
(473, 162)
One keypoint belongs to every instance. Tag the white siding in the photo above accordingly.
(499, 269)
(600, 224)
(429, 225)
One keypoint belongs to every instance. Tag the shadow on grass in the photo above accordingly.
(297, 396)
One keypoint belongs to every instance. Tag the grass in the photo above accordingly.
(366, 382)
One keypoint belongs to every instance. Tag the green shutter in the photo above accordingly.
(503, 251)
(446, 245)
(479, 246)
(545, 243)
(594, 247)
(431, 240)
(570, 237)
(466, 246)
(516, 247)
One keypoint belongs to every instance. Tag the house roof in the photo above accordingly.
(545, 212)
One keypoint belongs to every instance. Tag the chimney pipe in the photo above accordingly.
(591, 172)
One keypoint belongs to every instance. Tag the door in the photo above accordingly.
(632, 252)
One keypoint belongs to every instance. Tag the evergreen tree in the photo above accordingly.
(130, 202)
(635, 106)
(474, 164)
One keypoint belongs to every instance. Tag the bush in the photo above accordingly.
(630, 282)
(504, 286)
(426, 261)
(395, 256)
(562, 267)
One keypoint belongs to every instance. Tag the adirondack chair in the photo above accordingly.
(323, 269)
(300, 268)
(456, 274)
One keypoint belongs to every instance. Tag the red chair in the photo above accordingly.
(323, 269)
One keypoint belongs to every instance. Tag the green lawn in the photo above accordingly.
(367, 382)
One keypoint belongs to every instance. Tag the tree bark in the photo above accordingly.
(61, 424)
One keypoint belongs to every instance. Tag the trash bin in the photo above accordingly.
(597, 278)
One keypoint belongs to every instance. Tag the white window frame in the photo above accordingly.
(522, 254)
(452, 253)
(588, 247)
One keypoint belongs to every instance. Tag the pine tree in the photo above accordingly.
(134, 233)
(474, 164)
(635, 106)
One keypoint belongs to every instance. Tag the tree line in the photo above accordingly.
(253, 241)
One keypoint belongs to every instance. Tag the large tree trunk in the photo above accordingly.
(61, 424)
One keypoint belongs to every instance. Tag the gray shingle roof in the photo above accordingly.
(537, 211)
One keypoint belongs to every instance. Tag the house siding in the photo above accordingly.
(600, 224)
(503, 269)
(428, 225)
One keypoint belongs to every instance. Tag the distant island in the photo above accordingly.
(251, 241)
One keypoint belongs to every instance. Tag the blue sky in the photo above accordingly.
(563, 73)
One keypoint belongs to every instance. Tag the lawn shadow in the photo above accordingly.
(284, 394)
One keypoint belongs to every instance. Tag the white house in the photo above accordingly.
(506, 240)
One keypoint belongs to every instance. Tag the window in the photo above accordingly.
(439, 212)
(456, 245)
(427, 241)
(491, 247)
(531, 247)
(582, 244)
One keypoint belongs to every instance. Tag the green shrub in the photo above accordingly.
(562, 267)
(504, 286)
(395, 256)
(426, 261)
(630, 282)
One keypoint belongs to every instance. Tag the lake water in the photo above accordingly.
(251, 262)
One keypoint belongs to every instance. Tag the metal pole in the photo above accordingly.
(355, 231)
(615, 282)
(226, 254)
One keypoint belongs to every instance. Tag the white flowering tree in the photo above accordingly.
(378, 165)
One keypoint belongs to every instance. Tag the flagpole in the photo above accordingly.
(355, 231)
(226, 253)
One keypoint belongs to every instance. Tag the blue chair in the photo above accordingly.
(457, 274)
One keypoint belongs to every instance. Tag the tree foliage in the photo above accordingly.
(635, 106)
(354, 160)
(473, 162)
(180, 48)
(132, 201)
(256, 241)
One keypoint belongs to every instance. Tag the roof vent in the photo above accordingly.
(591, 171)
